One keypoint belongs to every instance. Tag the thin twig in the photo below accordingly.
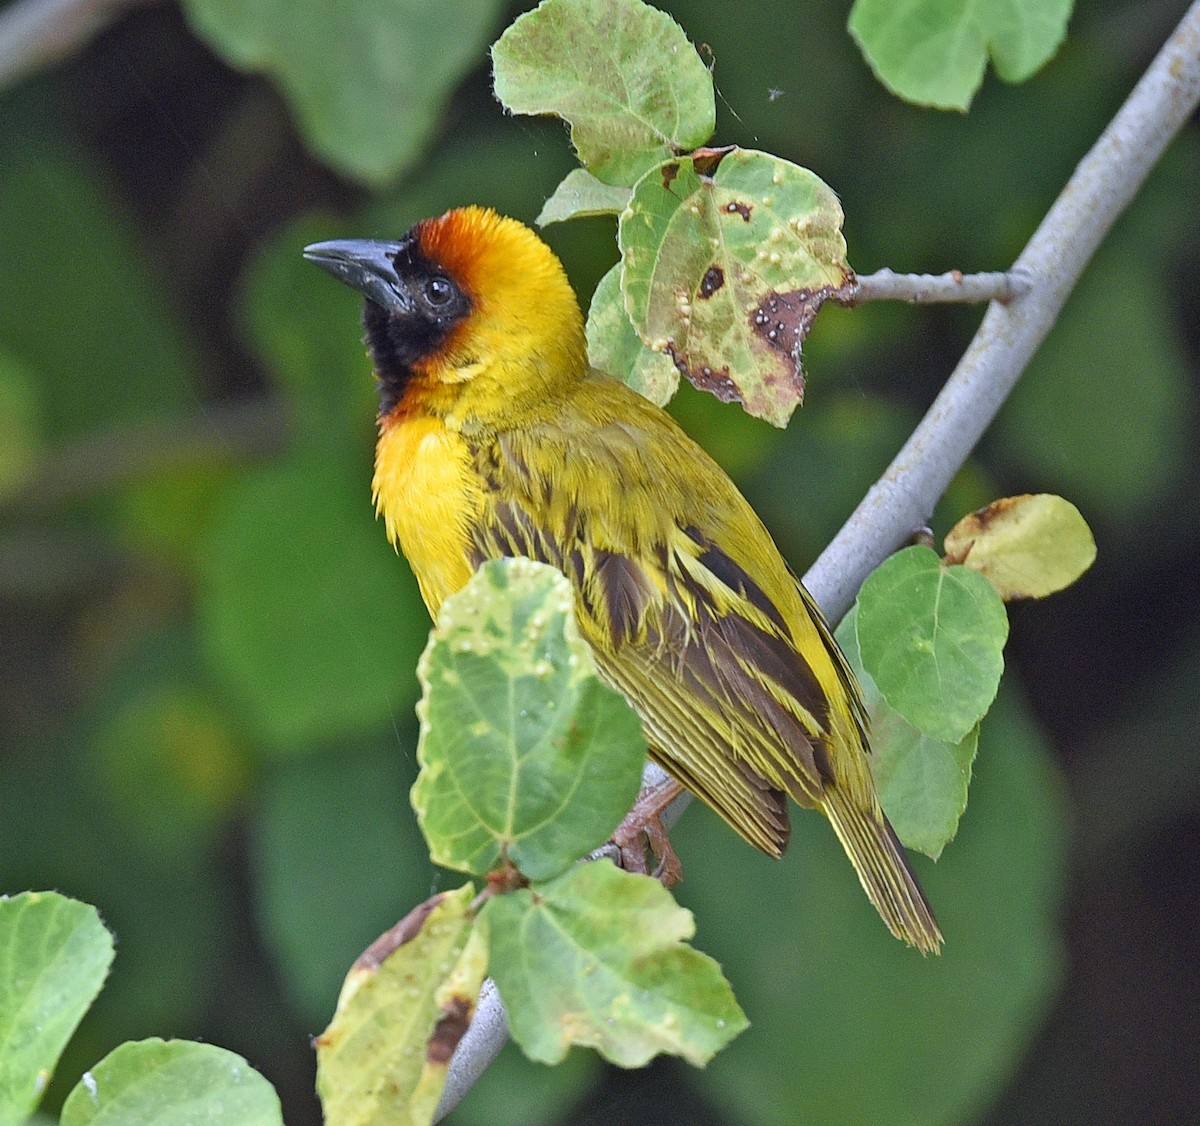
(1102, 186)
(887, 285)
(35, 33)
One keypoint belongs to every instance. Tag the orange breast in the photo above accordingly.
(427, 491)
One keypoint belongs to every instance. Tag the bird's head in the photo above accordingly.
(470, 311)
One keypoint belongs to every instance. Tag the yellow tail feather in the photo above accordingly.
(882, 867)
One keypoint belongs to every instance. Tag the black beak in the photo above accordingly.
(365, 265)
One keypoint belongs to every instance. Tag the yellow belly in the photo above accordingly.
(426, 490)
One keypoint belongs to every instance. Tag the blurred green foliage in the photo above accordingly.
(207, 668)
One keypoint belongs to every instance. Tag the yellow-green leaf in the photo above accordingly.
(54, 954)
(405, 1005)
(169, 1083)
(1027, 546)
(525, 754)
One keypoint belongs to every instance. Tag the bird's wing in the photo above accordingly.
(709, 662)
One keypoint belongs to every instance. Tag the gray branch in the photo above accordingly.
(1036, 287)
(1101, 187)
(924, 289)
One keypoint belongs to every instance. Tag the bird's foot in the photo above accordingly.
(643, 827)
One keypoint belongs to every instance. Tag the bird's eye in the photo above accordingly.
(438, 291)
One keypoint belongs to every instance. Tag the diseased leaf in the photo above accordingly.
(525, 754)
(404, 1007)
(366, 79)
(581, 194)
(170, 1083)
(922, 781)
(725, 269)
(932, 638)
(621, 73)
(598, 957)
(55, 955)
(614, 346)
(934, 52)
(1026, 547)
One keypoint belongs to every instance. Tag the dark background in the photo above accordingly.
(205, 641)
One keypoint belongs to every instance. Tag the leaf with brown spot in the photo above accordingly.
(404, 1007)
(1026, 546)
(714, 278)
(725, 272)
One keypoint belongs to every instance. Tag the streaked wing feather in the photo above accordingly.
(728, 705)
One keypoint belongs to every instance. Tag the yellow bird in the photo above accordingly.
(496, 438)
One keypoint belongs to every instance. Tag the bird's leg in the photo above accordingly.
(643, 826)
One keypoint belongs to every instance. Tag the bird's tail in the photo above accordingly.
(882, 867)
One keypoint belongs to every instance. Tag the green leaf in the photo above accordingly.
(525, 753)
(581, 195)
(620, 72)
(886, 1036)
(724, 271)
(55, 955)
(305, 611)
(335, 849)
(615, 347)
(171, 1083)
(934, 52)
(366, 79)
(922, 781)
(932, 638)
(598, 957)
(405, 1005)
(1026, 546)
